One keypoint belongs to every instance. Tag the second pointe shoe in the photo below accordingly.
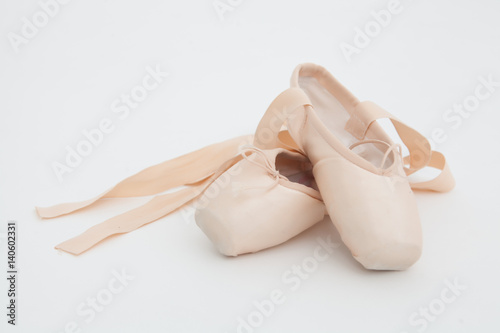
(266, 198)
(360, 171)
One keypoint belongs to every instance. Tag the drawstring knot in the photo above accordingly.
(267, 165)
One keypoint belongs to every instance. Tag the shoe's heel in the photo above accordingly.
(376, 215)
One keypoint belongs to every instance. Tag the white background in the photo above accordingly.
(223, 75)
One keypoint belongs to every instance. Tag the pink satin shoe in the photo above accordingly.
(359, 170)
(265, 199)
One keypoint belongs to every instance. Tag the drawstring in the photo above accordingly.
(267, 166)
(395, 147)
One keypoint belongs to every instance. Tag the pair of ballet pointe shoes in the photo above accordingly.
(318, 150)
